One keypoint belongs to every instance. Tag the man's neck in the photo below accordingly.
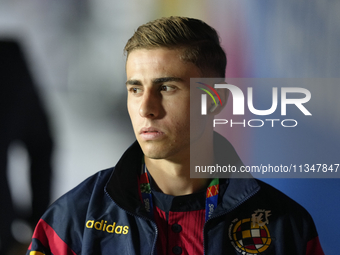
(173, 177)
(174, 180)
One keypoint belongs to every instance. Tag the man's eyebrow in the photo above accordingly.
(166, 79)
(133, 82)
(155, 81)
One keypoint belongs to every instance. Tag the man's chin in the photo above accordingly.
(155, 153)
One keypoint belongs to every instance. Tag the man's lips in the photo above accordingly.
(150, 133)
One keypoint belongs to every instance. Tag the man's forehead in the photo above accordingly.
(158, 65)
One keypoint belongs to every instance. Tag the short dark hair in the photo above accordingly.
(199, 42)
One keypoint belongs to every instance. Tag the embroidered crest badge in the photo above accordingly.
(251, 235)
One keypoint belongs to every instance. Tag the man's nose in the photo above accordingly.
(151, 105)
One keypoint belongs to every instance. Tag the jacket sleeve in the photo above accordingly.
(45, 241)
(61, 228)
(314, 247)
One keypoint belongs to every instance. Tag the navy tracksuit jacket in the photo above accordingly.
(104, 215)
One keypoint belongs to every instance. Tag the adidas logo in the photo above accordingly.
(111, 228)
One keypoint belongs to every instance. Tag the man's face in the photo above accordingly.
(158, 85)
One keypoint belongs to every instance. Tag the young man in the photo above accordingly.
(147, 203)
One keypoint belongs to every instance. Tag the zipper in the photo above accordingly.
(224, 213)
(143, 218)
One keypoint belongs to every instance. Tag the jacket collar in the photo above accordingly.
(122, 186)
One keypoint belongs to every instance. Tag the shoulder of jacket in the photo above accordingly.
(284, 203)
(75, 202)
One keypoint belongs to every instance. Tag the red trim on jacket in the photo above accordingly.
(49, 238)
(314, 247)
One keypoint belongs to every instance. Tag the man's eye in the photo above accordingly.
(135, 90)
(167, 88)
